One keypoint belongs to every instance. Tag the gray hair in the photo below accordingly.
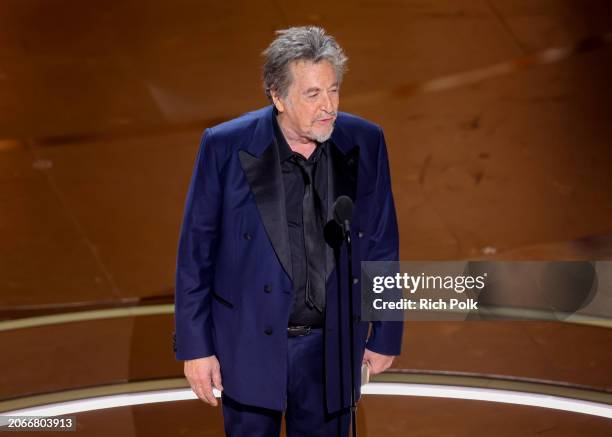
(308, 43)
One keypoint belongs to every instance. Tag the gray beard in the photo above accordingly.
(322, 138)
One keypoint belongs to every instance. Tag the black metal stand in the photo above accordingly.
(347, 238)
(337, 232)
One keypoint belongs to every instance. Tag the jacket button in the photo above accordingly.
(268, 331)
(360, 234)
(267, 288)
(355, 280)
(247, 236)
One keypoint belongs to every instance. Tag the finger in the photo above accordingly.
(388, 364)
(208, 394)
(213, 399)
(198, 387)
(199, 393)
(217, 379)
(203, 395)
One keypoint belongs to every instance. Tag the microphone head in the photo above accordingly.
(343, 209)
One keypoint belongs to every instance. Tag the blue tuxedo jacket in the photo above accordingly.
(233, 281)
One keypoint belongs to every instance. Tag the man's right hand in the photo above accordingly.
(203, 374)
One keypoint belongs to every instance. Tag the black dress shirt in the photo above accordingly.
(293, 181)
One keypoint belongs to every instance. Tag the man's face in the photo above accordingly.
(311, 105)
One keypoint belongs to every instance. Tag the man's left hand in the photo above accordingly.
(377, 362)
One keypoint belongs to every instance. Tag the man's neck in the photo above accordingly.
(302, 145)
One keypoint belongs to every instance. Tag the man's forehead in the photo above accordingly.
(310, 74)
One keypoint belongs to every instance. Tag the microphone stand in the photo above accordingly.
(347, 238)
(336, 234)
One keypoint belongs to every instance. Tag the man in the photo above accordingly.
(261, 298)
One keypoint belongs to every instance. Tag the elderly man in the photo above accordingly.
(261, 297)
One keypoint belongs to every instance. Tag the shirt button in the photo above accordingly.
(268, 331)
(247, 236)
(267, 288)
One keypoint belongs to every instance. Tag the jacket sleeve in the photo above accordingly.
(196, 255)
(385, 336)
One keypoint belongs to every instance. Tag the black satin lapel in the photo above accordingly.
(265, 178)
(342, 181)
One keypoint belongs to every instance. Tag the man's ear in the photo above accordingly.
(278, 102)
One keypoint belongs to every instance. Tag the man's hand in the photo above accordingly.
(203, 374)
(377, 362)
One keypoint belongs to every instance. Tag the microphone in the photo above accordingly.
(343, 211)
(336, 230)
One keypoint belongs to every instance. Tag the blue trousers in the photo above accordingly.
(305, 413)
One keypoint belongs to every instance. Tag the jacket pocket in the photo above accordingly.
(222, 300)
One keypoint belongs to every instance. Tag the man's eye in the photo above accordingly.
(334, 90)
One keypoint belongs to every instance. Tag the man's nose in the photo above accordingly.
(326, 102)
